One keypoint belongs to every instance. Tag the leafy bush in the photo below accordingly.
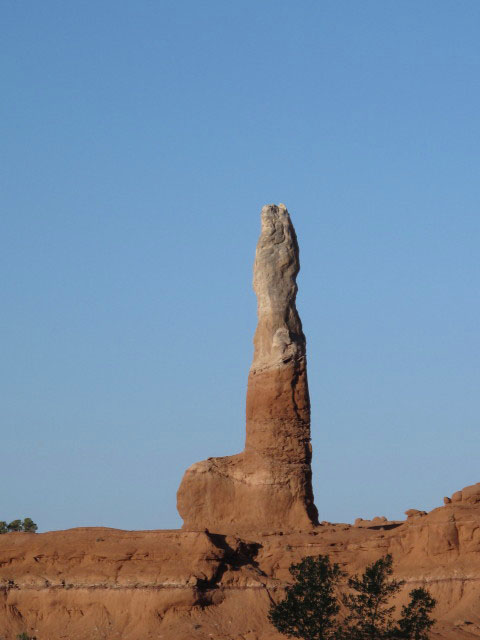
(370, 616)
(28, 525)
(15, 525)
(311, 604)
(415, 622)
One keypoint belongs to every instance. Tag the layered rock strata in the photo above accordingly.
(268, 485)
(85, 584)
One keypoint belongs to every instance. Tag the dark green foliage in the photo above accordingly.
(15, 525)
(29, 525)
(415, 621)
(370, 616)
(25, 636)
(310, 606)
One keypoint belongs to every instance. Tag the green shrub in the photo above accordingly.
(27, 525)
(310, 607)
(15, 525)
(311, 604)
(370, 616)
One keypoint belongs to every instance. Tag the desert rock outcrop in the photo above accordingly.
(181, 585)
(267, 487)
(468, 495)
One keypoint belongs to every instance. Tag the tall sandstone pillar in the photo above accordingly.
(268, 486)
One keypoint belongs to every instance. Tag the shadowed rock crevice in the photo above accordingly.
(268, 486)
(232, 559)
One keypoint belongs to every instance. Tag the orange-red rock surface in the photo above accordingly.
(104, 583)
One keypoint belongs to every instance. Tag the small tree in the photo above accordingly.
(310, 606)
(415, 621)
(29, 525)
(3, 527)
(15, 525)
(370, 616)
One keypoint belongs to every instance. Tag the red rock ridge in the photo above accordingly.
(177, 585)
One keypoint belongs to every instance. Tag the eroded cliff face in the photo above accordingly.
(85, 584)
(268, 485)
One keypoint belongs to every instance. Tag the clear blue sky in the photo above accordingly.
(139, 142)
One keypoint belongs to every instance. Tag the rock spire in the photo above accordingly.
(267, 487)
